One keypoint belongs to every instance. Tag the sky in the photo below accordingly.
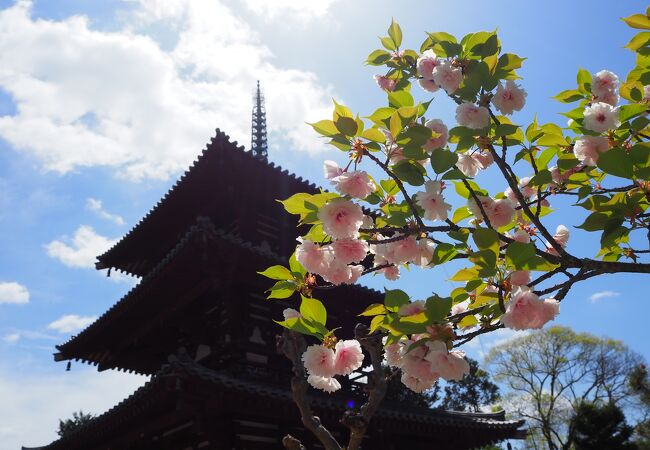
(104, 104)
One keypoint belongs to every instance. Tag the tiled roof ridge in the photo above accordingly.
(220, 142)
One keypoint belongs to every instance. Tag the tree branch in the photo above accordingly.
(292, 345)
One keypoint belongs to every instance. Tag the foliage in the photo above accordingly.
(640, 386)
(597, 427)
(549, 373)
(472, 392)
(515, 270)
(69, 425)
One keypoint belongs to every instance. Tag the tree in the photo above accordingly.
(550, 373)
(78, 419)
(640, 386)
(401, 160)
(472, 392)
(597, 427)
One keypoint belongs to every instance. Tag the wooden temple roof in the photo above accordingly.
(223, 182)
(184, 395)
(153, 316)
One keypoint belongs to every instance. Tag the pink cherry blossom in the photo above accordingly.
(385, 83)
(611, 98)
(412, 308)
(509, 98)
(394, 353)
(313, 257)
(502, 213)
(472, 116)
(460, 308)
(526, 189)
(416, 384)
(468, 165)
(437, 126)
(331, 169)
(319, 360)
(521, 236)
(348, 357)
(561, 235)
(447, 76)
(486, 202)
(341, 218)
(404, 250)
(290, 313)
(426, 63)
(428, 85)
(449, 365)
(434, 205)
(339, 273)
(520, 277)
(484, 158)
(604, 82)
(355, 184)
(426, 247)
(327, 384)
(391, 273)
(646, 93)
(600, 117)
(349, 250)
(526, 310)
(587, 149)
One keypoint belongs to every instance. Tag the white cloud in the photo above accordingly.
(81, 250)
(96, 206)
(11, 338)
(39, 401)
(296, 9)
(12, 292)
(603, 294)
(142, 106)
(71, 322)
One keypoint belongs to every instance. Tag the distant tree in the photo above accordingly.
(598, 427)
(472, 392)
(640, 385)
(550, 372)
(78, 419)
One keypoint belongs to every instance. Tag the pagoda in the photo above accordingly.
(198, 323)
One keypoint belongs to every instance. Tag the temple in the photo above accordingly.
(199, 325)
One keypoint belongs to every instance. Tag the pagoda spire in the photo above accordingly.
(259, 145)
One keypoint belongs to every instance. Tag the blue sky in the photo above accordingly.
(103, 104)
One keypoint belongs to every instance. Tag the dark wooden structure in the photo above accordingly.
(199, 324)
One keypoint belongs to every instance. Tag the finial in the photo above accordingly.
(259, 146)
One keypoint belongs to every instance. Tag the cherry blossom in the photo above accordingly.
(290, 313)
(341, 218)
(526, 310)
(327, 384)
(472, 116)
(431, 200)
(447, 76)
(319, 360)
(355, 184)
(509, 98)
(412, 308)
(348, 356)
(349, 250)
(600, 117)
(385, 83)
(468, 165)
(587, 149)
(313, 257)
(437, 126)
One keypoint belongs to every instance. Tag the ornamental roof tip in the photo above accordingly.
(219, 143)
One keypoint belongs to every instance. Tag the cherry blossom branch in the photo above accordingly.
(548, 275)
(397, 181)
(292, 345)
(358, 422)
(465, 338)
(478, 203)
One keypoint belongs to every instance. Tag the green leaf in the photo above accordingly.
(520, 253)
(485, 238)
(277, 273)
(509, 61)
(378, 58)
(616, 162)
(296, 203)
(395, 298)
(373, 134)
(638, 41)
(325, 127)
(505, 129)
(632, 110)
(584, 81)
(374, 310)
(639, 21)
(341, 110)
(569, 96)
(443, 160)
(398, 99)
(410, 171)
(395, 33)
(282, 289)
(438, 307)
(294, 265)
(313, 309)
(301, 326)
(388, 43)
(390, 186)
(347, 126)
(443, 252)
(595, 221)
